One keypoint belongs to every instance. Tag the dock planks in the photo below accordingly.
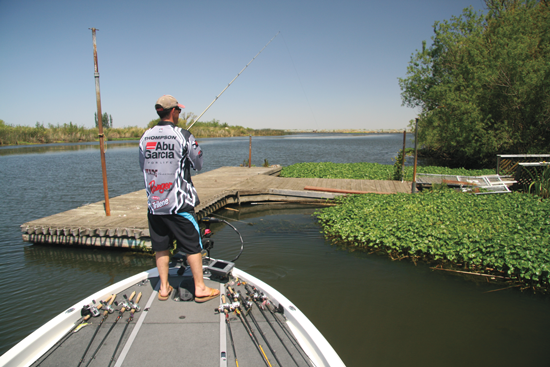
(127, 226)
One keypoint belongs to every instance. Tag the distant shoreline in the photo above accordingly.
(350, 131)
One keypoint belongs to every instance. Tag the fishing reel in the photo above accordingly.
(90, 310)
(124, 304)
(107, 307)
(132, 305)
(228, 307)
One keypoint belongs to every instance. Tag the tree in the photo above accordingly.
(483, 86)
(106, 120)
(184, 120)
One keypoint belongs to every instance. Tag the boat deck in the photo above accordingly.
(172, 333)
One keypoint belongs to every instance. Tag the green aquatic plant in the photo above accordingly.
(369, 171)
(509, 233)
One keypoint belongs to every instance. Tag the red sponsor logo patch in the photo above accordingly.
(160, 187)
(151, 145)
(155, 198)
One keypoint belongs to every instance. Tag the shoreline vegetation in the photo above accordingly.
(72, 133)
(498, 238)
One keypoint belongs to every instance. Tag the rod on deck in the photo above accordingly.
(100, 127)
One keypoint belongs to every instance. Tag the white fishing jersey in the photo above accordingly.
(166, 155)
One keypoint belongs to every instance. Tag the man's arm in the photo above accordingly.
(195, 153)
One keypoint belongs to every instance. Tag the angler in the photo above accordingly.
(124, 305)
(108, 310)
(134, 308)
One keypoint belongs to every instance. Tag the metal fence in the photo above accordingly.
(522, 166)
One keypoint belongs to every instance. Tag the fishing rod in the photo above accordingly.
(135, 308)
(290, 336)
(266, 302)
(218, 96)
(254, 295)
(108, 310)
(125, 304)
(229, 328)
(248, 308)
(237, 310)
(80, 323)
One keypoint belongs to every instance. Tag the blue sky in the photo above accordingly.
(334, 65)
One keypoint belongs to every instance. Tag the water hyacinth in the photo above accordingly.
(509, 233)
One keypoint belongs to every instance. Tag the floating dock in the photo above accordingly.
(127, 225)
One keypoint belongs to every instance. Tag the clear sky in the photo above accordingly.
(334, 65)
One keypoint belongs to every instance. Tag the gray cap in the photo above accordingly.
(167, 102)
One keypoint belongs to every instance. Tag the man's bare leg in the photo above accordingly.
(163, 264)
(195, 262)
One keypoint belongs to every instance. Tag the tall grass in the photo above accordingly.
(540, 186)
(72, 133)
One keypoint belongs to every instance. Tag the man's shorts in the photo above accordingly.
(182, 227)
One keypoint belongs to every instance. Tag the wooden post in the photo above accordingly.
(250, 151)
(100, 126)
(413, 186)
(403, 162)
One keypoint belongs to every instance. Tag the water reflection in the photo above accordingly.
(62, 147)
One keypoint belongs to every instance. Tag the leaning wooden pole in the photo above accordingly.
(100, 126)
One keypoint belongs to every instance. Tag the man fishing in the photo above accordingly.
(166, 155)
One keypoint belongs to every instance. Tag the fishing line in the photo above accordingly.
(299, 80)
(231, 219)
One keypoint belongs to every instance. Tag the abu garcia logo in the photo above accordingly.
(155, 150)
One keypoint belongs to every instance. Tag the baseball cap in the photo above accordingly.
(167, 102)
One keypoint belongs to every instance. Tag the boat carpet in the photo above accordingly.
(177, 334)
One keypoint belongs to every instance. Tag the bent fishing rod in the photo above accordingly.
(218, 96)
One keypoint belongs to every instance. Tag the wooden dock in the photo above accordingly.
(127, 226)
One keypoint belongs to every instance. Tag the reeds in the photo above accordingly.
(72, 133)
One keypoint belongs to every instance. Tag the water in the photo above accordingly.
(372, 310)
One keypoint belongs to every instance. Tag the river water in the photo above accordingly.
(374, 311)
